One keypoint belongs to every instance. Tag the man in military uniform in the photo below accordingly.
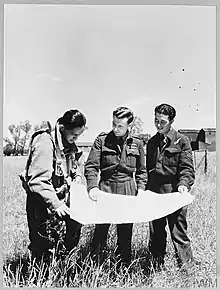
(170, 168)
(119, 158)
(52, 164)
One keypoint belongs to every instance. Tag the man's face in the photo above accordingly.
(162, 123)
(120, 126)
(72, 135)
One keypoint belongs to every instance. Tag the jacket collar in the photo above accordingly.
(59, 143)
(58, 137)
(168, 138)
(171, 134)
(111, 139)
(128, 138)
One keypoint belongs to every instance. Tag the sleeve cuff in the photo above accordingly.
(54, 205)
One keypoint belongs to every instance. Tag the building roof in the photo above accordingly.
(197, 130)
(188, 130)
(209, 129)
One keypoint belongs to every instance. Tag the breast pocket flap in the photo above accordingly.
(173, 150)
(108, 151)
(132, 151)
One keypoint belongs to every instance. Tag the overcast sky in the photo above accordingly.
(96, 58)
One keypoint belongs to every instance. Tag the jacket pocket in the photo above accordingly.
(171, 156)
(131, 157)
(108, 156)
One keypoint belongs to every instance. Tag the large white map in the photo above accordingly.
(115, 208)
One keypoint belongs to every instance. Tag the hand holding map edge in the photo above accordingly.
(93, 193)
(116, 208)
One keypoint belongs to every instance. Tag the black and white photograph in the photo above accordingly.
(109, 146)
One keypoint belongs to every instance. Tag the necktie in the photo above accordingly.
(162, 142)
(120, 143)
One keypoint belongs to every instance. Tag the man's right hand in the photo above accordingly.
(63, 210)
(93, 193)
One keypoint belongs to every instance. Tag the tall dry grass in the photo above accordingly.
(78, 270)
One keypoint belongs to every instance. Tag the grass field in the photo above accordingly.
(77, 270)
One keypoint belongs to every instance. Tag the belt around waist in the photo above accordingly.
(117, 178)
(154, 176)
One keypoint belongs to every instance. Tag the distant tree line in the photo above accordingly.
(20, 135)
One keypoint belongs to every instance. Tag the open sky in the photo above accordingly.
(96, 58)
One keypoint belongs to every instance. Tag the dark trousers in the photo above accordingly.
(124, 234)
(38, 219)
(178, 230)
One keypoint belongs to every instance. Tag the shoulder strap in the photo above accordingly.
(35, 134)
(60, 156)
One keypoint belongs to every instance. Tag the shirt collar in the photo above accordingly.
(126, 136)
(169, 135)
(123, 138)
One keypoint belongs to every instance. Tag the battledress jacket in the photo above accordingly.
(172, 166)
(49, 166)
(121, 166)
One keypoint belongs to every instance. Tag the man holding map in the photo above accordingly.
(119, 158)
(170, 168)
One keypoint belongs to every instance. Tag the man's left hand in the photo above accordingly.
(183, 189)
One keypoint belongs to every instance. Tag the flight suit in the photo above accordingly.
(49, 170)
(121, 164)
(169, 165)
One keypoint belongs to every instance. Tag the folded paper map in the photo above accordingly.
(117, 209)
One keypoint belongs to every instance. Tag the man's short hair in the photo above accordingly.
(167, 110)
(124, 112)
(72, 119)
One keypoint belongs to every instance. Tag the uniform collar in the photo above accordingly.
(111, 133)
(123, 138)
(58, 137)
(168, 138)
(59, 142)
(128, 138)
(171, 133)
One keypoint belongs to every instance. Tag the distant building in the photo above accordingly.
(192, 134)
(204, 138)
(208, 136)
